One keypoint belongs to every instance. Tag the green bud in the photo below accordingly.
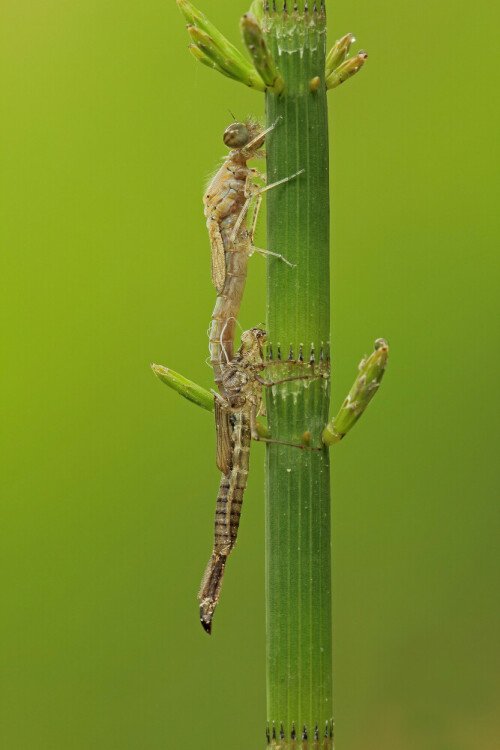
(257, 8)
(205, 60)
(259, 52)
(371, 371)
(229, 65)
(214, 45)
(314, 83)
(338, 52)
(195, 17)
(201, 57)
(346, 70)
(185, 387)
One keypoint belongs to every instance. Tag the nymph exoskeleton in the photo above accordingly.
(236, 425)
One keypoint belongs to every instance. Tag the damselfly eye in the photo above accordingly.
(236, 135)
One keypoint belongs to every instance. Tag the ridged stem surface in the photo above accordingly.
(298, 563)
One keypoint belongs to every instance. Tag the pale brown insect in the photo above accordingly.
(236, 425)
(227, 202)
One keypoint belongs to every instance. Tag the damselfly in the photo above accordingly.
(227, 202)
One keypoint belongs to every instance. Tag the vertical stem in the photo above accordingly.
(298, 566)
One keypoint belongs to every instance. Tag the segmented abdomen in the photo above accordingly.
(231, 489)
(227, 519)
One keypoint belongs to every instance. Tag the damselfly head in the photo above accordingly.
(259, 334)
(236, 135)
(239, 134)
(254, 339)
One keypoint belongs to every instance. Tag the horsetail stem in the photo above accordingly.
(298, 565)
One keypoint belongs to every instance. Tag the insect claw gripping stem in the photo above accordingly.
(256, 193)
(262, 252)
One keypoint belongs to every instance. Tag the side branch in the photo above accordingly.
(192, 391)
(338, 69)
(371, 371)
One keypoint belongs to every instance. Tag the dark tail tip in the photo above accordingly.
(206, 620)
(210, 589)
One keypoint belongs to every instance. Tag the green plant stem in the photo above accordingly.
(298, 565)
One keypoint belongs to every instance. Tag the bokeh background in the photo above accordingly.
(109, 131)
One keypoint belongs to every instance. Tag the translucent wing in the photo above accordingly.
(218, 255)
(223, 438)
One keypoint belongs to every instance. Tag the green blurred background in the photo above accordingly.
(109, 132)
